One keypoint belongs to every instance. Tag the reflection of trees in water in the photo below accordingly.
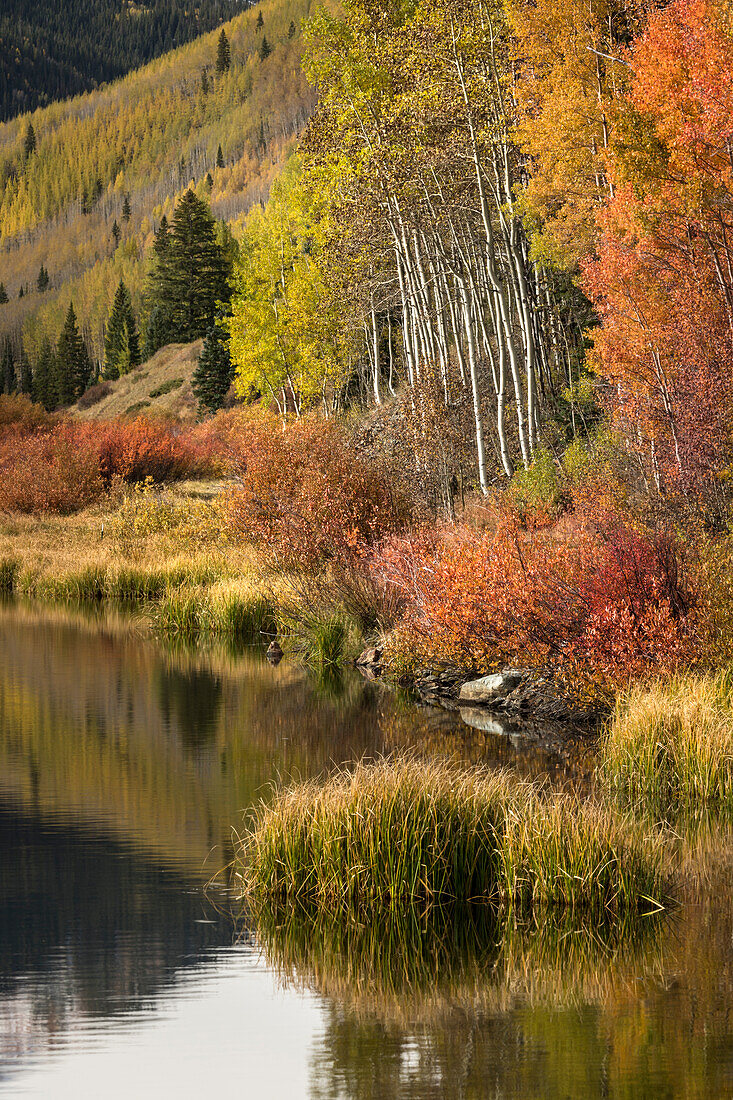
(190, 701)
(87, 925)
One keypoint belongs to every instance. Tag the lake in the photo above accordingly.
(128, 967)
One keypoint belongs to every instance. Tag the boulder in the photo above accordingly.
(274, 653)
(493, 688)
(482, 720)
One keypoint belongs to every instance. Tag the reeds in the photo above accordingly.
(407, 832)
(669, 747)
(9, 573)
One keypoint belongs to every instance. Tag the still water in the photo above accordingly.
(125, 972)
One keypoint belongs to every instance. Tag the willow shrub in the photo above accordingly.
(669, 746)
(415, 832)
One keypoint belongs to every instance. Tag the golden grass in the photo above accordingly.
(408, 832)
(669, 747)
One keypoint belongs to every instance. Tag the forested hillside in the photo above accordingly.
(85, 183)
(52, 49)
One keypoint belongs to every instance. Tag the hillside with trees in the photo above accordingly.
(86, 184)
(54, 50)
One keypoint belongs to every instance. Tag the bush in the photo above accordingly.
(94, 395)
(141, 448)
(600, 605)
(19, 416)
(306, 498)
(49, 473)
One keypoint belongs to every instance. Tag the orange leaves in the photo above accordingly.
(602, 604)
(306, 497)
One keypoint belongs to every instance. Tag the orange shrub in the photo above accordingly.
(306, 497)
(600, 604)
(20, 416)
(137, 449)
(48, 473)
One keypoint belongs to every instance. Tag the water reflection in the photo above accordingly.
(122, 771)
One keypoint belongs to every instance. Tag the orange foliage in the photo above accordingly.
(306, 497)
(603, 604)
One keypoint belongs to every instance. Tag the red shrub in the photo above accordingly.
(141, 448)
(48, 473)
(19, 416)
(605, 606)
(306, 496)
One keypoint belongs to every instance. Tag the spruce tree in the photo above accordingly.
(204, 82)
(121, 341)
(29, 141)
(223, 54)
(260, 22)
(219, 157)
(73, 367)
(214, 373)
(126, 209)
(3, 294)
(116, 233)
(43, 280)
(7, 368)
(191, 272)
(44, 390)
(291, 29)
(25, 375)
(265, 48)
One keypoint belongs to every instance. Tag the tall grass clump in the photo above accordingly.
(243, 619)
(415, 832)
(182, 615)
(669, 747)
(9, 574)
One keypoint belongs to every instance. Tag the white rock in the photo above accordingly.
(490, 688)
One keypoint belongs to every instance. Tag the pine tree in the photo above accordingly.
(44, 391)
(265, 48)
(73, 367)
(21, 292)
(209, 180)
(43, 280)
(214, 372)
(191, 272)
(7, 368)
(29, 141)
(126, 209)
(291, 29)
(204, 82)
(121, 341)
(219, 157)
(260, 22)
(223, 54)
(3, 294)
(116, 233)
(25, 375)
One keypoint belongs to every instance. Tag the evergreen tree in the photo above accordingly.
(157, 333)
(43, 280)
(116, 233)
(3, 294)
(219, 158)
(126, 209)
(291, 29)
(214, 372)
(209, 181)
(25, 375)
(191, 272)
(29, 141)
(73, 367)
(44, 391)
(260, 22)
(265, 48)
(121, 341)
(21, 292)
(204, 82)
(223, 54)
(7, 368)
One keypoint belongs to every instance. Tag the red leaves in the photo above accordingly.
(605, 605)
(306, 497)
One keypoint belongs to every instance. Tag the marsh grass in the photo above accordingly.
(669, 747)
(9, 574)
(409, 831)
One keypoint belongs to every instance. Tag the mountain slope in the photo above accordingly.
(149, 136)
(56, 49)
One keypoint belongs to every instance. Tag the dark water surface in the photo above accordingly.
(124, 769)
